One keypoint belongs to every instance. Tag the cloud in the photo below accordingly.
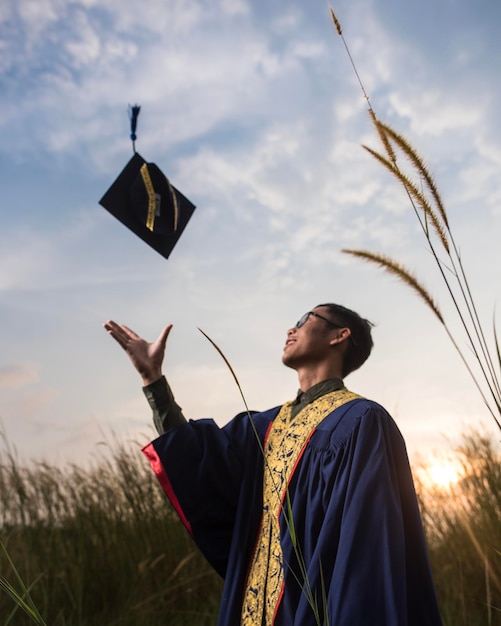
(38, 15)
(434, 112)
(24, 258)
(94, 63)
(284, 175)
(479, 186)
(16, 376)
(42, 259)
(87, 48)
(254, 112)
(235, 7)
(33, 404)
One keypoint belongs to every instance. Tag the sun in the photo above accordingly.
(441, 472)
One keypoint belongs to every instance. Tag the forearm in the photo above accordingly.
(166, 413)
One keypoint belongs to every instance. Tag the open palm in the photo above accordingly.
(146, 357)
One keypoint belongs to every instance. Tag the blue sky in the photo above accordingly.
(253, 111)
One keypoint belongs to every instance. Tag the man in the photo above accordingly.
(307, 510)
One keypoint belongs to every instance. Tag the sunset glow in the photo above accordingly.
(441, 472)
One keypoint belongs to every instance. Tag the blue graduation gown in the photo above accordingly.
(353, 504)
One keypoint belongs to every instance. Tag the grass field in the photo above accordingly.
(102, 546)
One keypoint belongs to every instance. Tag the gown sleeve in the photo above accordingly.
(201, 468)
(166, 413)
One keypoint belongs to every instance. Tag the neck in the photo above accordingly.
(311, 376)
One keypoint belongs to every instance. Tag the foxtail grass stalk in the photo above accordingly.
(237, 382)
(475, 335)
(429, 208)
(288, 517)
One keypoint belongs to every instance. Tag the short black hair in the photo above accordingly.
(361, 343)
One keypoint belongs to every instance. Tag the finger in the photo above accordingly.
(162, 338)
(117, 332)
(130, 332)
(109, 325)
(112, 326)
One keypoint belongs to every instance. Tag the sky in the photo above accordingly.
(253, 111)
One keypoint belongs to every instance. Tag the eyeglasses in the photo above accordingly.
(306, 317)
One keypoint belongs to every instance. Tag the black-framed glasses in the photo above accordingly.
(306, 317)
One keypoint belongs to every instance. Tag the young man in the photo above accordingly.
(307, 510)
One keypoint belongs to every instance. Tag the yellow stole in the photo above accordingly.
(284, 446)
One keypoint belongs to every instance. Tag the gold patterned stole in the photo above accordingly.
(283, 448)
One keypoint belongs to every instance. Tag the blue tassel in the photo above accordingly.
(133, 115)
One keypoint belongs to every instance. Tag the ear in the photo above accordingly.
(342, 335)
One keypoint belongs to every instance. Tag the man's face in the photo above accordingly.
(309, 344)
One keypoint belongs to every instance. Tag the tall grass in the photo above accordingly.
(463, 528)
(100, 546)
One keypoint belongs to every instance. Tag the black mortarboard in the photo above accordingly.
(143, 199)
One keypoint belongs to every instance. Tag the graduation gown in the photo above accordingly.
(357, 535)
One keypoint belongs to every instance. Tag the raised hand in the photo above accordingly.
(146, 357)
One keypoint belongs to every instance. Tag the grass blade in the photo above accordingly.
(28, 606)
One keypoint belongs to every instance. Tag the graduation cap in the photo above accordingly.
(143, 199)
